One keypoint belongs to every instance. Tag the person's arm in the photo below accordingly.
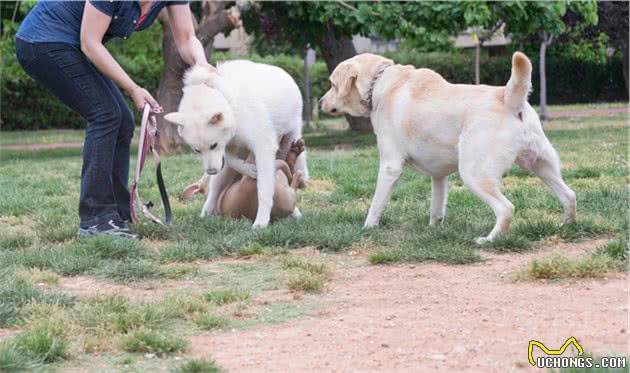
(93, 28)
(189, 47)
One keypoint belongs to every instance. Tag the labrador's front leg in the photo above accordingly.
(389, 171)
(265, 183)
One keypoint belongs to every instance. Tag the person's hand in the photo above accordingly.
(141, 96)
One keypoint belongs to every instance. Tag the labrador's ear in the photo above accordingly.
(176, 118)
(216, 118)
(344, 77)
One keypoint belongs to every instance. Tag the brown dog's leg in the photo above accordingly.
(297, 147)
(200, 186)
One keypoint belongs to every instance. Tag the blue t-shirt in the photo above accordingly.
(60, 21)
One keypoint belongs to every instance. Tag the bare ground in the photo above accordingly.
(412, 318)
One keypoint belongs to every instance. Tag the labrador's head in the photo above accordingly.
(350, 84)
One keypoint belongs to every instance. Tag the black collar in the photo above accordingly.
(381, 69)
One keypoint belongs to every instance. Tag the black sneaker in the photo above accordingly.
(112, 227)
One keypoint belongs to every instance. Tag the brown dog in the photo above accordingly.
(239, 199)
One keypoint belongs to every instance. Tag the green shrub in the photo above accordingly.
(210, 322)
(569, 79)
(12, 359)
(140, 56)
(44, 343)
(225, 296)
(149, 341)
(199, 366)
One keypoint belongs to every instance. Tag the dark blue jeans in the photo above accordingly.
(68, 74)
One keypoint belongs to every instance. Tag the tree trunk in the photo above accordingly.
(543, 82)
(307, 90)
(214, 20)
(624, 52)
(546, 40)
(477, 53)
(335, 50)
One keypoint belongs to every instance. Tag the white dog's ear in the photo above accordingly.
(346, 75)
(216, 118)
(176, 118)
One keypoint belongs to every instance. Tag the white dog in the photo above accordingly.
(244, 107)
(439, 128)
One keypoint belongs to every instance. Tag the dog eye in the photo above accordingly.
(195, 150)
(213, 146)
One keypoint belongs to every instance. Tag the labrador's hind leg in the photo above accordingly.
(547, 167)
(483, 177)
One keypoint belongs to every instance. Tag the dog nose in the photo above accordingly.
(211, 171)
(321, 101)
(333, 110)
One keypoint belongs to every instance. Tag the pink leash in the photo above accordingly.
(148, 135)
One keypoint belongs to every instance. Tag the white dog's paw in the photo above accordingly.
(369, 225)
(206, 210)
(257, 225)
(436, 220)
(296, 214)
(483, 240)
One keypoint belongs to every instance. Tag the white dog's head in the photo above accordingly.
(350, 82)
(205, 119)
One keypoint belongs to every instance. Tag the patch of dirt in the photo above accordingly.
(429, 317)
(8, 333)
(150, 292)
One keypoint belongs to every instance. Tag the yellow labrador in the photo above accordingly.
(439, 128)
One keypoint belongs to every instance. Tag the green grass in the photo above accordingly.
(198, 366)
(153, 342)
(41, 137)
(12, 359)
(210, 322)
(44, 344)
(39, 220)
(305, 275)
(225, 296)
(611, 257)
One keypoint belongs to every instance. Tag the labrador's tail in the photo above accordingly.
(520, 83)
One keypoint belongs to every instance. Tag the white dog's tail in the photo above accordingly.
(520, 83)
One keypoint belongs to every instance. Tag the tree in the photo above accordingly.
(330, 26)
(214, 19)
(541, 22)
(613, 21)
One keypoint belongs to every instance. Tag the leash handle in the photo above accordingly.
(148, 133)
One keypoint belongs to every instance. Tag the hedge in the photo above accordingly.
(569, 80)
(25, 105)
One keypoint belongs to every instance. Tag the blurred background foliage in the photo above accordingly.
(578, 69)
